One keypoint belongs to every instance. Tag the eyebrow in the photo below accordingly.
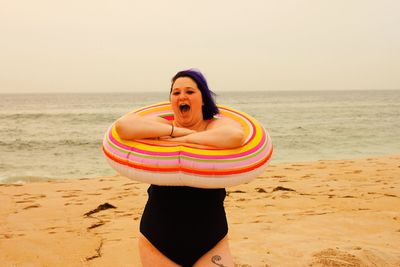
(183, 88)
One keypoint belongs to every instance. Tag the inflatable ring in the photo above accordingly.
(183, 164)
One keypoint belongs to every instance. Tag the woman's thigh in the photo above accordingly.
(150, 256)
(220, 255)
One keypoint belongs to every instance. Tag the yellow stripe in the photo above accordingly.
(164, 107)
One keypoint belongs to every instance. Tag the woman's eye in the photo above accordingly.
(176, 93)
(189, 92)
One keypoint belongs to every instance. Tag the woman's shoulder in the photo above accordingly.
(221, 121)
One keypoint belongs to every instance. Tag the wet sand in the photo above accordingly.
(323, 213)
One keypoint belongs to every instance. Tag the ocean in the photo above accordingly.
(59, 136)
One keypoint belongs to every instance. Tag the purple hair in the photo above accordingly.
(209, 108)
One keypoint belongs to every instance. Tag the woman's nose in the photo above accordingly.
(182, 96)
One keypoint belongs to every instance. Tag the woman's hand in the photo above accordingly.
(133, 126)
(180, 131)
(221, 133)
(178, 135)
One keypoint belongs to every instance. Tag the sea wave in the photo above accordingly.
(18, 144)
(60, 136)
(73, 117)
(18, 179)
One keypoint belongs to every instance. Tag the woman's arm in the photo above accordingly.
(221, 133)
(133, 126)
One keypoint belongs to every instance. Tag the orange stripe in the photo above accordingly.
(183, 169)
(138, 166)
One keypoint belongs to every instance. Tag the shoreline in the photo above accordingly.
(38, 179)
(318, 213)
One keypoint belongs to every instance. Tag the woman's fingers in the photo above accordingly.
(179, 131)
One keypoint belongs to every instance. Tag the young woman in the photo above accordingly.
(185, 226)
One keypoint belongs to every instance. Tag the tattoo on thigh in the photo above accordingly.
(216, 258)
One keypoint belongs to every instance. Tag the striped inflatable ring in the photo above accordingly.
(169, 163)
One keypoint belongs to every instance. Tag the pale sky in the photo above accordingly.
(128, 46)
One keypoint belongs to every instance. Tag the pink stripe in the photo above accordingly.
(145, 152)
(138, 159)
(154, 162)
(217, 165)
(188, 154)
(230, 156)
(246, 119)
(176, 153)
(187, 163)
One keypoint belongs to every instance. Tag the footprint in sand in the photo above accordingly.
(335, 257)
(106, 188)
(32, 207)
(24, 201)
(68, 196)
(260, 190)
(6, 236)
(21, 195)
(94, 194)
(129, 184)
(29, 198)
(108, 180)
(51, 228)
(69, 190)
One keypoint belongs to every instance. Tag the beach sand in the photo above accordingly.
(323, 213)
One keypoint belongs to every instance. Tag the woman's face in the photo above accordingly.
(186, 102)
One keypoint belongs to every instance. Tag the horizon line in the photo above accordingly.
(224, 91)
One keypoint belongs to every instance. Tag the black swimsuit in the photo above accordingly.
(183, 222)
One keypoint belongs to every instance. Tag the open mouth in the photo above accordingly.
(184, 107)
